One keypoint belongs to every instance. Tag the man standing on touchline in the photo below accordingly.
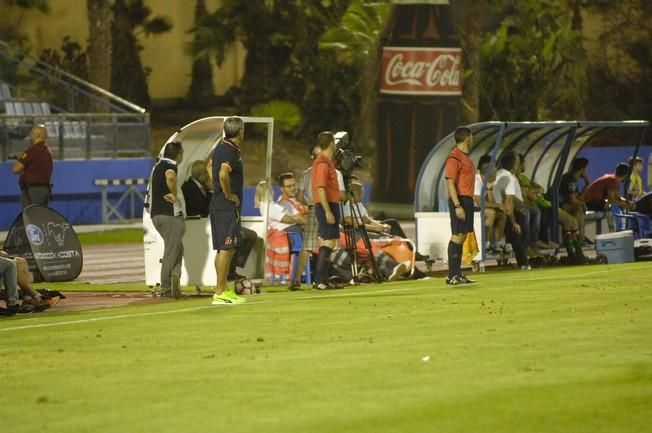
(460, 181)
(228, 174)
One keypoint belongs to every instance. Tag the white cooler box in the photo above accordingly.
(617, 247)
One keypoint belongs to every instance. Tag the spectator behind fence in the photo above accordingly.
(635, 190)
(35, 169)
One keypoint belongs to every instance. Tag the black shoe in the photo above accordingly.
(295, 286)
(462, 278)
(418, 257)
(12, 310)
(321, 286)
(453, 281)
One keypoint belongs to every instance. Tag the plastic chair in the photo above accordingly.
(637, 222)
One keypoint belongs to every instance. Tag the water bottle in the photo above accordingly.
(481, 265)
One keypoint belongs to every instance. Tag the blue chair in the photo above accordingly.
(637, 222)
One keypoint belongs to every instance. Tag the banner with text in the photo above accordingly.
(421, 71)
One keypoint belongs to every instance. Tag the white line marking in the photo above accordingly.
(565, 276)
(121, 316)
(345, 295)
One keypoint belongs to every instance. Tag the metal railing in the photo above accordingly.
(79, 135)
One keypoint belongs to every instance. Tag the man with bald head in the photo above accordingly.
(35, 169)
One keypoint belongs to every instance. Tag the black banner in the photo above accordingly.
(48, 242)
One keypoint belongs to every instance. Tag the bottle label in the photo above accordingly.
(421, 71)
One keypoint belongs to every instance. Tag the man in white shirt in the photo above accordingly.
(287, 215)
(507, 192)
(494, 217)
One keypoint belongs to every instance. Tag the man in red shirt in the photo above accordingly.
(605, 190)
(35, 169)
(326, 194)
(460, 181)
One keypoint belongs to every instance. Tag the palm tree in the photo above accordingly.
(356, 40)
(128, 75)
(201, 93)
(99, 50)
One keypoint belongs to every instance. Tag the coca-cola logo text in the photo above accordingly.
(431, 71)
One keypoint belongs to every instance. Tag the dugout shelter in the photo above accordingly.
(198, 140)
(549, 148)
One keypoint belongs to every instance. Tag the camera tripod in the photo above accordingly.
(351, 235)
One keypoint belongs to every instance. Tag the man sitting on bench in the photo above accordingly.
(605, 191)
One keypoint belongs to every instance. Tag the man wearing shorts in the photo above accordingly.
(460, 180)
(225, 206)
(326, 194)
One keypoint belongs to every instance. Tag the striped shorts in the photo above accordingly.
(311, 230)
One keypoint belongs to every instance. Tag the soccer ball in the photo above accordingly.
(245, 287)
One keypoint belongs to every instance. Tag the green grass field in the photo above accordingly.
(555, 350)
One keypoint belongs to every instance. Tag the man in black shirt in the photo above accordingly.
(570, 196)
(168, 218)
(225, 205)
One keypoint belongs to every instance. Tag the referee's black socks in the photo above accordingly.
(454, 259)
(323, 264)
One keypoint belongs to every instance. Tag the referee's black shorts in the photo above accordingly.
(328, 231)
(459, 226)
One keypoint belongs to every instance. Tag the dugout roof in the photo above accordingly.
(549, 148)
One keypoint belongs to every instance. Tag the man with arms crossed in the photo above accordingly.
(225, 206)
(460, 180)
(35, 169)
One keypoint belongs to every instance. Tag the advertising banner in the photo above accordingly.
(48, 242)
(421, 71)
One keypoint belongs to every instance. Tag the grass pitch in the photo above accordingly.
(555, 350)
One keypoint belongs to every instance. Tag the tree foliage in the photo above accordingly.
(201, 94)
(620, 72)
(128, 75)
(534, 64)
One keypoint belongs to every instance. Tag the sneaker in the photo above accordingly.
(12, 310)
(454, 281)
(294, 286)
(398, 271)
(176, 287)
(227, 297)
(236, 299)
(326, 285)
(526, 268)
(462, 278)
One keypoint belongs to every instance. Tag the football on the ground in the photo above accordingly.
(245, 287)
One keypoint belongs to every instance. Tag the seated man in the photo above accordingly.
(197, 190)
(507, 192)
(494, 216)
(375, 228)
(30, 296)
(605, 191)
(571, 198)
(9, 278)
(281, 221)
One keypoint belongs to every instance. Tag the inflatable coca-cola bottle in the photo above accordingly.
(420, 93)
